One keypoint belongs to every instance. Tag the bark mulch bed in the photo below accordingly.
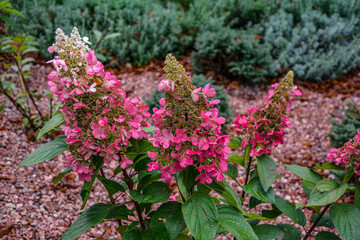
(31, 207)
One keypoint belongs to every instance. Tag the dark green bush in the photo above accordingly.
(316, 39)
(148, 29)
(343, 131)
(199, 81)
(242, 39)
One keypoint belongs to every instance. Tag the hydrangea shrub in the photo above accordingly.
(186, 147)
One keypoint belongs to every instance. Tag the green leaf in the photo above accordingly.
(61, 175)
(305, 173)
(290, 210)
(271, 214)
(46, 152)
(346, 218)
(325, 220)
(308, 187)
(268, 232)
(235, 142)
(227, 192)
(138, 235)
(112, 35)
(141, 164)
(233, 221)
(51, 124)
(349, 172)
(86, 188)
(328, 165)
(318, 198)
(290, 232)
(3, 105)
(186, 181)
(171, 211)
(111, 186)
(357, 196)
(233, 157)
(152, 193)
(148, 129)
(326, 236)
(326, 185)
(253, 216)
(267, 170)
(120, 212)
(255, 189)
(147, 179)
(232, 171)
(253, 202)
(92, 216)
(200, 215)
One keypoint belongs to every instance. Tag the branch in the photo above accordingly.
(137, 206)
(316, 221)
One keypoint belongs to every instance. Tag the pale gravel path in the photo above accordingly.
(36, 209)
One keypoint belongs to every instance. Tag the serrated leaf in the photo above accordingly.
(119, 212)
(308, 187)
(171, 211)
(318, 198)
(227, 192)
(357, 196)
(61, 175)
(290, 232)
(267, 170)
(268, 232)
(255, 189)
(45, 152)
(233, 157)
(200, 214)
(346, 218)
(92, 216)
(328, 165)
(304, 172)
(186, 181)
(233, 221)
(54, 122)
(326, 185)
(326, 236)
(232, 171)
(290, 210)
(111, 186)
(235, 142)
(152, 193)
(325, 220)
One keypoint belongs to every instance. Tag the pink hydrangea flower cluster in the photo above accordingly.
(100, 119)
(188, 129)
(264, 127)
(347, 154)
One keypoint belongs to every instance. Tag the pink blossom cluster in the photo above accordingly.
(188, 129)
(347, 154)
(100, 119)
(264, 127)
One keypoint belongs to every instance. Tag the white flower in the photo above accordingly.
(86, 40)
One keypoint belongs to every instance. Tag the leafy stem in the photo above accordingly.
(308, 233)
(137, 206)
(110, 196)
(247, 176)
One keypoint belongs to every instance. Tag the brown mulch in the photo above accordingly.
(31, 207)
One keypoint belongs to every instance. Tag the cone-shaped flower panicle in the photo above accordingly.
(100, 119)
(265, 124)
(188, 129)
